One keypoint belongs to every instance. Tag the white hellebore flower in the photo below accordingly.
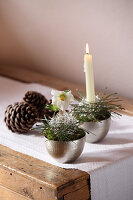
(62, 99)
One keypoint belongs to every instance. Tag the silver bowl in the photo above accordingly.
(65, 152)
(97, 130)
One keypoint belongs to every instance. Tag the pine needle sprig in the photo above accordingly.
(61, 128)
(104, 107)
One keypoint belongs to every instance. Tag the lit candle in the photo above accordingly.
(88, 69)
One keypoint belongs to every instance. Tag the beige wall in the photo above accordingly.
(49, 36)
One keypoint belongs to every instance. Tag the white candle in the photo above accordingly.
(88, 69)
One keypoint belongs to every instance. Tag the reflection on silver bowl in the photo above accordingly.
(65, 152)
(98, 130)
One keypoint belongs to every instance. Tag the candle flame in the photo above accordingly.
(87, 48)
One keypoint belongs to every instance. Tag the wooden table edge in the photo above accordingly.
(59, 181)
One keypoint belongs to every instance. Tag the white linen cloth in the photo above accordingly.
(109, 163)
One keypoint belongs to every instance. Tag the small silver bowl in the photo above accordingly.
(97, 130)
(65, 152)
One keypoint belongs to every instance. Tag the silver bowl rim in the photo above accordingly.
(64, 141)
(96, 121)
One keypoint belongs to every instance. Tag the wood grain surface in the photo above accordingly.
(35, 179)
(6, 194)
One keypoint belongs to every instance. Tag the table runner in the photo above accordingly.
(109, 163)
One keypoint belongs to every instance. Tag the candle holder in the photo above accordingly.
(95, 118)
(98, 130)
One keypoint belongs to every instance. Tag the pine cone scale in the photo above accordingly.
(20, 117)
(37, 100)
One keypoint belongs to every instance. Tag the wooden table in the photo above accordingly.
(23, 177)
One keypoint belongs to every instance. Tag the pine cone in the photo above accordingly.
(20, 117)
(37, 100)
(48, 113)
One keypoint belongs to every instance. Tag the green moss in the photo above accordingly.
(63, 132)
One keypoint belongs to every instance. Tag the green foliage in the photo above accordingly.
(61, 128)
(63, 132)
(52, 107)
(66, 90)
(103, 108)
